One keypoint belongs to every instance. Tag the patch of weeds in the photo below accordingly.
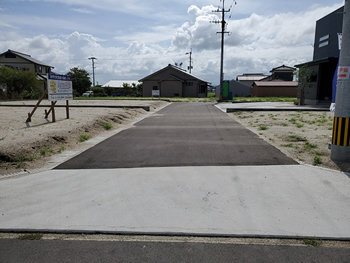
(318, 153)
(24, 158)
(323, 120)
(61, 149)
(46, 150)
(311, 242)
(296, 138)
(3, 138)
(43, 151)
(300, 125)
(84, 137)
(263, 128)
(106, 125)
(309, 145)
(284, 124)
(31, 237)
(262, 115)
(270, 139)
(317, 160)
(290, 145)
(294, 121)
(126, 108)
(260, 133)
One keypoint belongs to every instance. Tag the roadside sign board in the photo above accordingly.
(155, 93)
(59, 87)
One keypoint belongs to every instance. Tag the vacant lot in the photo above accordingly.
(303, 136)
(30, 145)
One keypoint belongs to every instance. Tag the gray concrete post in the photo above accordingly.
(341, 135)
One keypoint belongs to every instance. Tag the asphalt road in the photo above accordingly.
(12, 250)
(182, 134)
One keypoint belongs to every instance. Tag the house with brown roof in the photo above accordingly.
(24, 62)
(173, 81)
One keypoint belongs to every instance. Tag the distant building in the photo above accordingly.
(119, 83)
(281, 73)
(249, 78)
(274, 89)
(24, 62)
(173, 81)
(325, 59)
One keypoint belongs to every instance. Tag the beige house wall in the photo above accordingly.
(23, 64)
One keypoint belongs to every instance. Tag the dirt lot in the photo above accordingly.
(304, 136)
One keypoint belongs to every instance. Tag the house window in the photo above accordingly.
(39, 69)
(323, 41)
(323, 44)
(155, 88)
(324, 38)
(202, 89)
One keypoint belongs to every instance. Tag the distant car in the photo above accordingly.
(88, 93)
(118, 94)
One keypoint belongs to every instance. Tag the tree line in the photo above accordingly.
(18, 84)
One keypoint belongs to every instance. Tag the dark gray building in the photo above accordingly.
(325, 59)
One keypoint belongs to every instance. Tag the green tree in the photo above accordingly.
(80, 80)
(16, 82)
(304, 76)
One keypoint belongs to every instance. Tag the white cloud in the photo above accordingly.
(258, 42)
(82, 10)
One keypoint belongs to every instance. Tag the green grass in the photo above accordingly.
(61, 149)
(289, 145)
(317, 160)
(84, 137)
(31, 237)
(299, 125)
(309, 145)
(106, 125)
(263, 128)
(311, 242)
(294, 121)
(3, 138)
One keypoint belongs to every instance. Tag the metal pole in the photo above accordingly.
(341, 133)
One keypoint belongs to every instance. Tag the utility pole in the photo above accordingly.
(223, 27)
(93, 69)
(341, 133)
(190, 66)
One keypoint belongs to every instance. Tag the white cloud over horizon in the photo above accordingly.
(126, 48)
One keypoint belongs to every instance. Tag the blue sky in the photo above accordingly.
(132, 39)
